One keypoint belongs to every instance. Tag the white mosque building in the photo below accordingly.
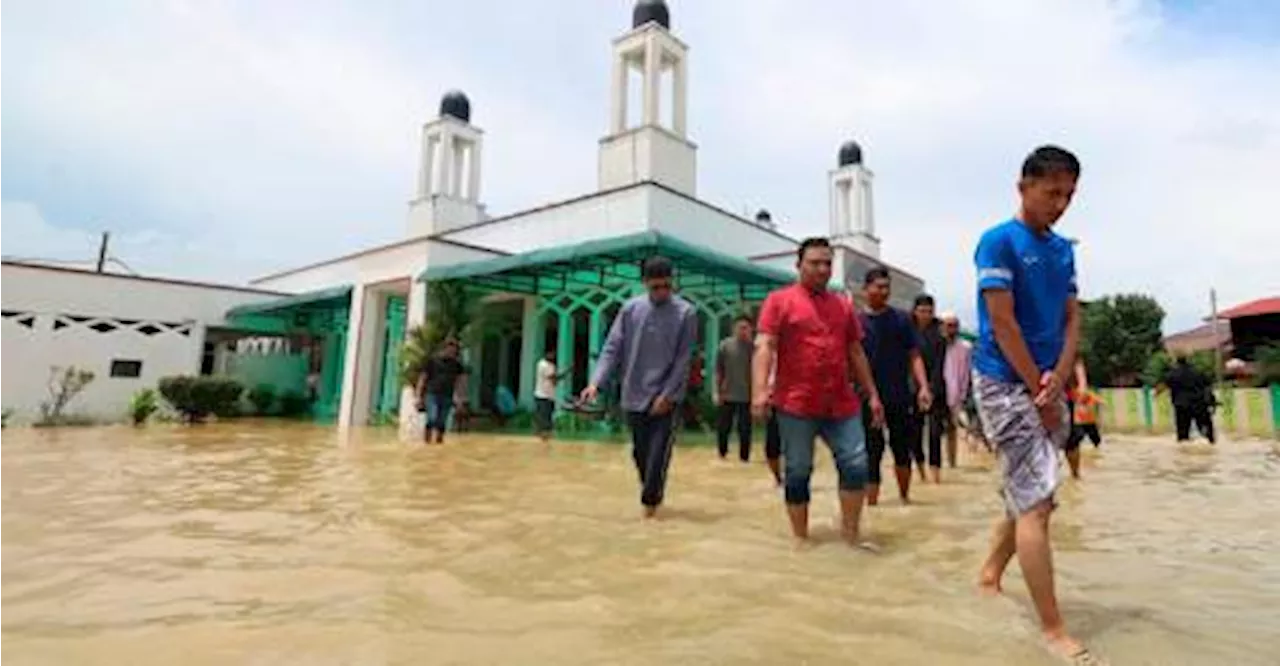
(550, 276)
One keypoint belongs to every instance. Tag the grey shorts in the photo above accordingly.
(1028, 452)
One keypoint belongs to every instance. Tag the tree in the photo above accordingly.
(453, 311)
(64, 385)
(1118, 336)
(1161, 362)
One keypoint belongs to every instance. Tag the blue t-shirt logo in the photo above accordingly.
(1040, 271)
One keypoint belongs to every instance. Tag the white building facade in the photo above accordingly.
(550, 276)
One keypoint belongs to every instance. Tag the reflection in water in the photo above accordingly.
(279, 544)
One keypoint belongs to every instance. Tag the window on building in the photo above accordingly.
(125, 368)
(207, 358)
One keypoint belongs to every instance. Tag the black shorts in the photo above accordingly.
(543, 411)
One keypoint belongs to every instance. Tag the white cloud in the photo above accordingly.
(288, 134)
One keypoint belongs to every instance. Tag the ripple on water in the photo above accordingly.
(281, 543)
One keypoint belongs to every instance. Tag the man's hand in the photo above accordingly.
(1049, 415)
(718, 396)
(1050, 388)
(924, 398)
(588, 394)
(877, 411)
(759, 407)
(661, 406)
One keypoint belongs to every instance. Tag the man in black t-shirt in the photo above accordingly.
(442, 378)
(1191, 392)
(936, 419)
(893, 349)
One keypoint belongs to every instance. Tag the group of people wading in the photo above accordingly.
(870, 380)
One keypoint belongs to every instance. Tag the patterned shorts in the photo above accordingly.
(1028, 452)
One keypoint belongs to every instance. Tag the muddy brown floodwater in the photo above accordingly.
(274, 544)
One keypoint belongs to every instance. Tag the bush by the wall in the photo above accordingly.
(198, 397)
(262, 397)
(143, 404)
(293, 404)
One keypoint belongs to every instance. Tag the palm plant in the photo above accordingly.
(453, 311)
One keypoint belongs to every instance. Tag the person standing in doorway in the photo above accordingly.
(936, 419)
(1029, 329)
(733, 388)
(955, 374)
(443, 378)
(1191, 392)
(893, 348)
(811, 339)
(651, 341)
(545, 378)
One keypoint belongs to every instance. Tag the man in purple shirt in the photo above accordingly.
(651, 340)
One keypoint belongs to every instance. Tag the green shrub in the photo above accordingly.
(1267, 360)
(262, 397)
(6, 415)
(198, 397)
(294, 404)
(65, 383)
(143, 404)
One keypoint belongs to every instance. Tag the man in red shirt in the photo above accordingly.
(816, 340)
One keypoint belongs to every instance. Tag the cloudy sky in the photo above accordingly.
(225, 140)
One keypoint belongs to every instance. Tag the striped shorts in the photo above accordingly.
(1027, 451)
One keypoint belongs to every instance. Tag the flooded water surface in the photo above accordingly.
(267, 544)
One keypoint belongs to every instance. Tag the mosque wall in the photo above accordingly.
(606, 215)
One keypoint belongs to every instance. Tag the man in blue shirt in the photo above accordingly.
(1029, 323)
(651, 340)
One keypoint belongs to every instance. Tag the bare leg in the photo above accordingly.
(935, 473)
(850, 514)
(873, 494)
(799, 515)
(1003, 547)
(1073, 461)
(904, 482)
(775, 466)
(1035, 557)
(952, 437)
(650, 512)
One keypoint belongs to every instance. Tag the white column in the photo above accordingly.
(473, 181)
(459, 150)
(620, 90)
(853, 206)
(868, 209)
(358, 373)
(425, 170)
(415, 315)
(652, 80)
(444, 147)
(679, 103)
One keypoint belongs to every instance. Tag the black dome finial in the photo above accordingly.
(850, 153)
(763, 215)
(651, 10)
(455, 103)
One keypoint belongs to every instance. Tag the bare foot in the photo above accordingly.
(989, 584)
(803, 544)
(650, 512)
(1070, 650)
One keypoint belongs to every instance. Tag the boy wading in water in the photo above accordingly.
(816, 341)
(1028, 321)
(652, 340)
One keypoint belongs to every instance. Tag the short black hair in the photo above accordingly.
(656, 268)
(813, 241)
(924, 299)
(1048, 160)
(877, 273)
(745, 318)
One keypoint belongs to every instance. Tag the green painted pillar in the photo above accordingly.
(1275, 410)
(393, 339)
(564, 354)
(595, 340)
(711, 348)
(532, 339)
(475, 363)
